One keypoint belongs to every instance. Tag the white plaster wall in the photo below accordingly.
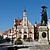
(49, 34)
(4, 36)
(49, 29)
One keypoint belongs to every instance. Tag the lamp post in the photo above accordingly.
(16, 30)
(12, 36)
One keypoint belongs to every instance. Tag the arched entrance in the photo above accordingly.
(25, 37)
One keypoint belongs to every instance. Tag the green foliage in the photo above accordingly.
(18, 41)
(28, 39)
(7, 39)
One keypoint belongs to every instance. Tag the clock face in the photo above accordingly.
(43, 34)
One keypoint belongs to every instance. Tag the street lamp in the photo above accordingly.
(16, 30)
(12, 36)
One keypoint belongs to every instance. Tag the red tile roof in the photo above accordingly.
(17, 21)
(6, 32)
(30, 27)
(19, 27)
(37, 25)
(11, 30)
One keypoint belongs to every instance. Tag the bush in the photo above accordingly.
(28, 39)
(7, 39)
(18, 42)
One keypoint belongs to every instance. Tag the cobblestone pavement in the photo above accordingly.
(37, 48)
(33, 45)
(6, 43)
(30, 43)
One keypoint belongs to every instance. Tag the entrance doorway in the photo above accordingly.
(25, 37)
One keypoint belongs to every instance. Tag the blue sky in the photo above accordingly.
(12, 9)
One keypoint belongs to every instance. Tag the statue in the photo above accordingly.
(44, 16)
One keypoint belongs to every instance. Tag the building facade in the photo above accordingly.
(5, 34)
(23, 28)
(49, 29)
(8, 33)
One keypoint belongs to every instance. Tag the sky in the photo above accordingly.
(13, 9)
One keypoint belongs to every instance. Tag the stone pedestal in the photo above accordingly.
(43, 35)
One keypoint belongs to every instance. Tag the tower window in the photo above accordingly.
(24, 24)
(25, 19)
(24, 30)
(19, 30)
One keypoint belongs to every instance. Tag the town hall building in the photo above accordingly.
(23, 28)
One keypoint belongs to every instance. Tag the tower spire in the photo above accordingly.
(24, 13)
(25, 18)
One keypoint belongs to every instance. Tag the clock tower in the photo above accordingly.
(43, 29)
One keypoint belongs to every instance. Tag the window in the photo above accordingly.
(24, 24)
(19, 30)
(24, 30)
(29, 30)
(25, 19)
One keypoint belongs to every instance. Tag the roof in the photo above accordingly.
(30, 27)
(37, 25)
(19, 27)
(12, 29)
(17, 21)
(6, 32)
